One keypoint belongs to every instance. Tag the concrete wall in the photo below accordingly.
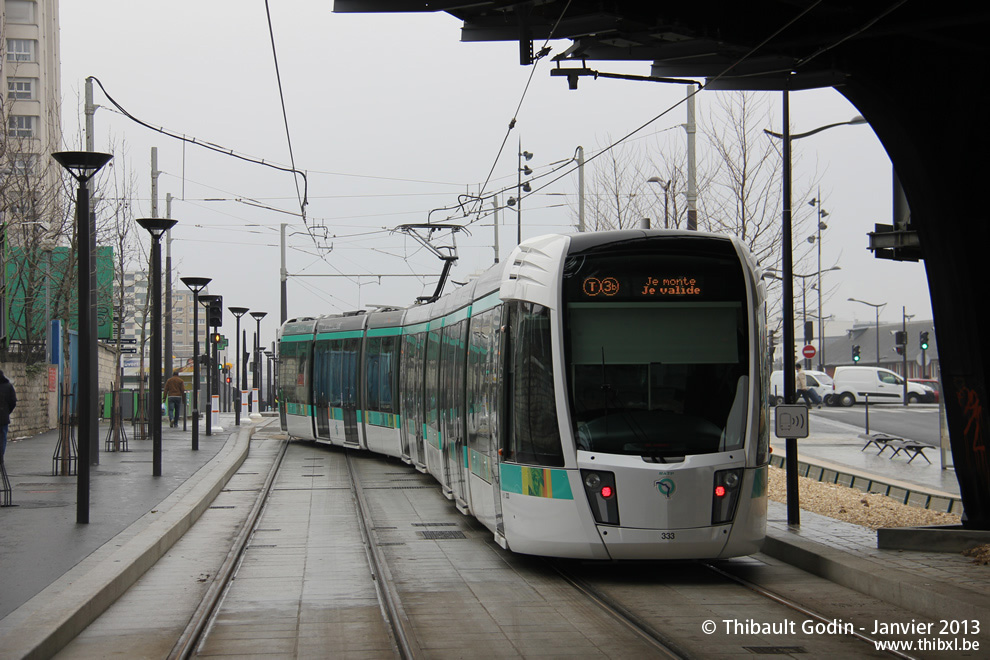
(37, 408)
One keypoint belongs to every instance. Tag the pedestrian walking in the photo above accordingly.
(801, 386)
(8, 401)
(175, 388)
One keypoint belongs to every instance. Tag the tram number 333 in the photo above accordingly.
(667, 536)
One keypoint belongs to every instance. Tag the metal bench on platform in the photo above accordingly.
(911, 448)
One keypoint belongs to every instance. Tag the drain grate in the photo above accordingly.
(397, 487)
(253, 546)
(274, 529)
(442, 534)
(775, 650)
(453, 524)
(223, 507)
(312, 475)
(392, 543)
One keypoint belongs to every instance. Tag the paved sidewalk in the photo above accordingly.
(41, 539)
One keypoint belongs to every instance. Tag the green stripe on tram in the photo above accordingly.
(537, 482)
(294, 408)
(343, 334)
(384, 332)
(486, 303)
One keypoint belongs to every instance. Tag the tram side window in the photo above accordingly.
(293, 365)
(535, 436)
(380, 368)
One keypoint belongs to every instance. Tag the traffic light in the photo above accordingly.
(216, 337)
(856, 357)
(924, 340)
(214, 313)
(900, 338)
(899, 349)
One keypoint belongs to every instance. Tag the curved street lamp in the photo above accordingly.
(793, 506)
(156, 227)
(876, 307)
(83, 166)
(195, 284)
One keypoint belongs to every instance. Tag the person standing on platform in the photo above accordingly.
(8, 401)
(175, 388)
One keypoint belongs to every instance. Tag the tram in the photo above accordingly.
(598, 395)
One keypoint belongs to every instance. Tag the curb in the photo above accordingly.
(931, 599)
(910, 494)
(46, 623)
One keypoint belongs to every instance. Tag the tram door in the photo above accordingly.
(321, 383)
(350, 361)
(452, 392)
(502, 425)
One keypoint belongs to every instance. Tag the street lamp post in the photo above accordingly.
(195, 284)
(156, 227)
(257, 316)
(666, 198)
(804, 307)
(876, 307)
(520, 189)
(793, 506)
(238, 312)
(817, 240)
(212, 378)
(83, 166)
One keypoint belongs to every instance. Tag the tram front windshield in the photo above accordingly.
(657, 350)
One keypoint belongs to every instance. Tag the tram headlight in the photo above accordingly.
(725, 495)
(600, 488)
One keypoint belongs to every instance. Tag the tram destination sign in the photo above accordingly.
(649, 286)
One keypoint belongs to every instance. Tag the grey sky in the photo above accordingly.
(391, 116)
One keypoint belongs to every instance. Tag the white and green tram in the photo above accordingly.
(599, 395)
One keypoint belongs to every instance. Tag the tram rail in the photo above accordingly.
(192, 635)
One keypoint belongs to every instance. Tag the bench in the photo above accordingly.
(880, 440)
(911, 448)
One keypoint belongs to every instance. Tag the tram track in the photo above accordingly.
(194, 631)
(663, 644)
(797, 607)
(610, 589)
(392, 611)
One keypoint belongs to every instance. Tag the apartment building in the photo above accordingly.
(136, 293)
(29, 116)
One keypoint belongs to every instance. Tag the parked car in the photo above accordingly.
(819, 381)
(853, 384)
(931, 383)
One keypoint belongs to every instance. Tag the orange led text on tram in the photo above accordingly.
(670, 286)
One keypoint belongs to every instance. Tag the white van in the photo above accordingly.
(819, 381)
(852, 384)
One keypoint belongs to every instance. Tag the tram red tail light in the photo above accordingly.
(599, 486)
(726, 495)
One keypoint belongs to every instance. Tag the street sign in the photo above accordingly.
(128, 350)
(791, 421)
(808, 351)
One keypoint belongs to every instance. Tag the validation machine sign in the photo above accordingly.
(791, 421)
